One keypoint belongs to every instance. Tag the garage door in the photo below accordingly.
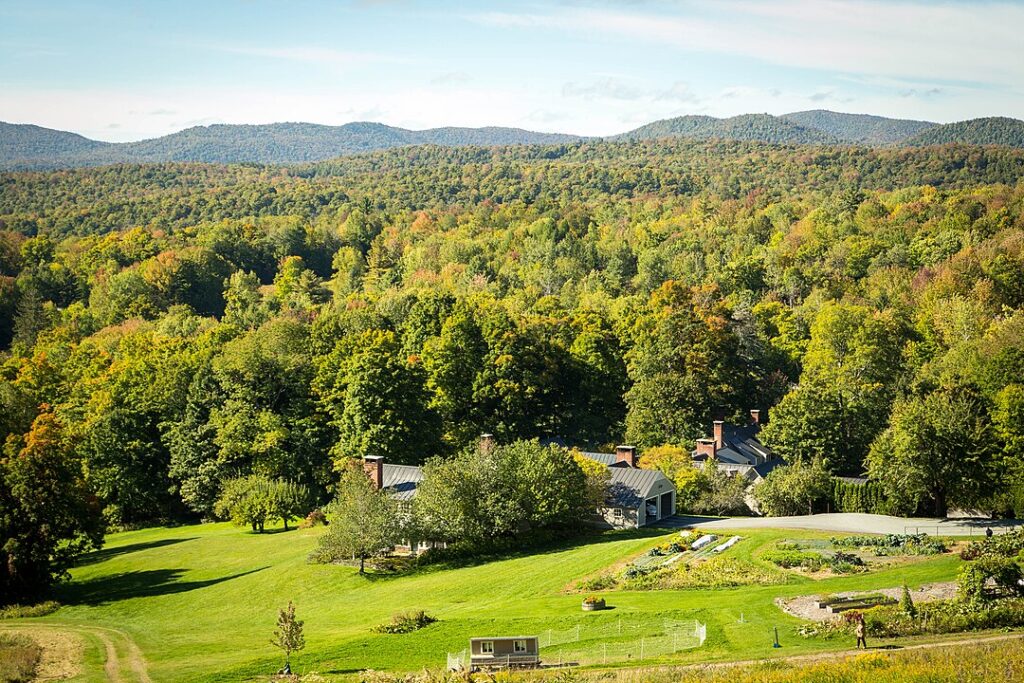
(666, 504)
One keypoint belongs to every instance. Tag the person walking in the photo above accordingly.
(861, 631)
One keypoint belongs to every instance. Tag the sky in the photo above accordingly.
(118, 70)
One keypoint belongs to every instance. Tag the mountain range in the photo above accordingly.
(25, 146)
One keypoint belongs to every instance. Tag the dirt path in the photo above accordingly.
(114, 666)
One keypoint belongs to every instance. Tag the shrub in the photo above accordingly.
(845, 563)
(1005, 545)
(635, 572)
(19, 658)
(973, 578)
(907, 603)
(20, 611)
(597, 583)
(406, 622)
(314, 518)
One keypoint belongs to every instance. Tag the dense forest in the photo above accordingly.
(167, 327)
(25, 147)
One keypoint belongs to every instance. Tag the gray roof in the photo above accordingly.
(628, 487)
(401, 480)
(741, 446)
(608, 459)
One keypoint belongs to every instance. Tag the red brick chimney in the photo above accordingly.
(373, 465)
(755, 416)
(486, 443)
(719, 438)
(625, 455)
(707, 447)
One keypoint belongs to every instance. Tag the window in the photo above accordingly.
(618, 513)
(487, 647)
(519, 646)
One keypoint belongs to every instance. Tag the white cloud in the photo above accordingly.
(960, 42)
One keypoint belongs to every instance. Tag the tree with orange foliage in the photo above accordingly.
(48, 515)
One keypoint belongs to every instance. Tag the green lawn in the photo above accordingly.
(200, 601)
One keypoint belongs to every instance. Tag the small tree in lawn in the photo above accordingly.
(365, 521)
(288, 635)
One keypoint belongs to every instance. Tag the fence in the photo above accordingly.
(620, 641)
(963, 529)
(603, 641)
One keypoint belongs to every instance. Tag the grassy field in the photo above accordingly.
(200, 603)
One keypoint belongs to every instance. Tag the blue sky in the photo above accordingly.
(121, 70)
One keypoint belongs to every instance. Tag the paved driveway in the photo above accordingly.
(853, 522)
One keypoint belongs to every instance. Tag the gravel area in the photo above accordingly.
(804, 607)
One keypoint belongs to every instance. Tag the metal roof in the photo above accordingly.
(603, 458)
(401, 480)
(741, 446)
(629, 487)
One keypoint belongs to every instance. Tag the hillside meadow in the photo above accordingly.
(200, 602)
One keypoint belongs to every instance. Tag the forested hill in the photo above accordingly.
(860, 128)
(759, 127)
(32, 147)
(997, 130)
(828, 127)
(90, 201)
(168, 327)
(24, 147)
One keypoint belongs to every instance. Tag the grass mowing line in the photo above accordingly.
(201, 601)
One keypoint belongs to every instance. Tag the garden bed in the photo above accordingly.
(814, 607)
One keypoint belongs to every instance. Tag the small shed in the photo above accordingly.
(505, 652)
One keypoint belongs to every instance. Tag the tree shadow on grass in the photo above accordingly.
(107, 553)
(138, 584)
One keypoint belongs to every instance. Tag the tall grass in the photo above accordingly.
(19, 658)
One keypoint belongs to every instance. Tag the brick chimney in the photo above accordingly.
(625, 455)
(719, 438)
(755, 416)
(707, 447)
(486, 443)
(373, 465)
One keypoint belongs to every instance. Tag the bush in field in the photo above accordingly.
(406, 622)
(314, 518)
(23, 611)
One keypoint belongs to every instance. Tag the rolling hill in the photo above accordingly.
(32, 147)
(862, 129)
(757, 127)
(996, 130)
(25, 146)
